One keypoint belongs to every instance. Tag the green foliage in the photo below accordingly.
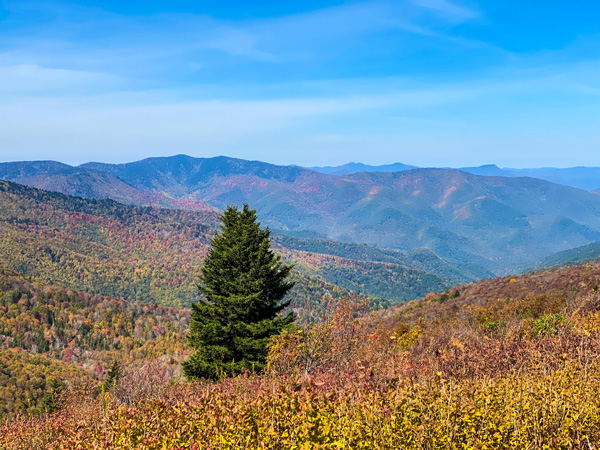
(548, 324)
(50, 402)
(112, 376)
(30, 384)
(447, 295)
(493, 325)
(243, 283)
(384, 279)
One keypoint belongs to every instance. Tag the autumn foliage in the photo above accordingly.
(428, 375)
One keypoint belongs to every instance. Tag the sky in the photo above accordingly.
(424, 82)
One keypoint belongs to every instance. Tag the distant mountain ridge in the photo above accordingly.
(586, 178)
(494, 224)
(350, 168)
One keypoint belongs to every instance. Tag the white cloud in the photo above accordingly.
(92, 39)
(308, 33)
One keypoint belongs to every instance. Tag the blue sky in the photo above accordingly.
(424, 82)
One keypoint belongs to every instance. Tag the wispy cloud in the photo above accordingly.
(307, 33)
(32, 79)
(449, 9)
(91, 39)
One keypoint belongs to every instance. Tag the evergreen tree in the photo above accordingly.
(243, 283)
(50, 402)
(112, 376)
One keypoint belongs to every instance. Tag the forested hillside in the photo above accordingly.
(154, 255)
(84, 328)
(489, 223)
(68, 332)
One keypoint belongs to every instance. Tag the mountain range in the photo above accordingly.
(486, 224)
(587, 178)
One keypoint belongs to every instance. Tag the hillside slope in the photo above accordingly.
(420, 258)
(495, 222)
(86, 183)
(563, 286)
(502, 363)
(574, 255)
(154, 255)
(86, 329)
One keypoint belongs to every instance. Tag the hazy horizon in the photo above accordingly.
(309, 166)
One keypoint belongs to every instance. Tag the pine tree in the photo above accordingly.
(243, 283)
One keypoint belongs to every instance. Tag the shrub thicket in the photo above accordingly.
(425, 376)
